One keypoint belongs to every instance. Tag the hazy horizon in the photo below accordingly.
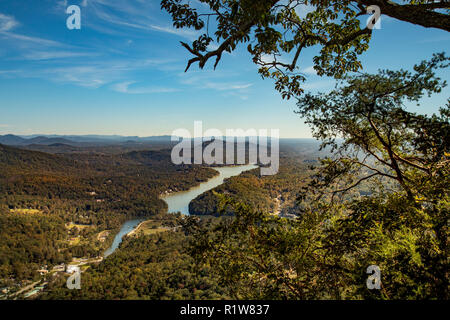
(129, 136)
(123, 73)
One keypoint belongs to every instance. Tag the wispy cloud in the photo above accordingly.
(303, 9)
(85, 76)
(99, 73)
(267, 58)
(218, 81)
(24, 38)
(310, 70)
(9, 72)
(190, 34)
(326, 84)
(51, 55)
(61, 5)
(97, 65)
(7, 22)
(223, 86)
(87, 67)
(132, 14)
(124, 87)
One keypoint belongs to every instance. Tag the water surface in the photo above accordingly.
(179, 201)
(126, 228)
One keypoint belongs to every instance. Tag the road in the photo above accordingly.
(26, 288)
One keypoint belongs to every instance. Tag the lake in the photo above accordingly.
(179, 201)
(126, 228)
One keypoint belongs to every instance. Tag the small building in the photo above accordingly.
(42, 271)
(59, 268)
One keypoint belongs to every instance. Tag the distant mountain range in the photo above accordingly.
(63, 143)
(10, 139)
(47, 140)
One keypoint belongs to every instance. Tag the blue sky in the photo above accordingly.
(123, 73)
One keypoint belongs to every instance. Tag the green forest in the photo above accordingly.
(369, 191)
(41, 194)
(154, 267)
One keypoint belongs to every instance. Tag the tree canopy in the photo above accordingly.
(402, 228)
(367, 111)
(277, 32)
(401, 225)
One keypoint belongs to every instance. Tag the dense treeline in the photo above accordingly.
(27, 243)
(148, 267)
(381, 200)
(273, 194)
(94, 191)
(277, 194)
(399, 226)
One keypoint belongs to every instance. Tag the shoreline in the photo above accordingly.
(162, 197)
(135, 229)
(167, 193)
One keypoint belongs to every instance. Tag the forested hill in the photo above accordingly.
(64, 202)
(12, 159)
(274, 194)
(81, 175)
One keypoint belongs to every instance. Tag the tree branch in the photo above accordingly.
(419, 14)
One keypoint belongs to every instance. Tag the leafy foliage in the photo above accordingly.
(277, 32)
(325, 252)
(94, 190)
(148, 267)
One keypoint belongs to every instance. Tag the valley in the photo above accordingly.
(84, 201)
